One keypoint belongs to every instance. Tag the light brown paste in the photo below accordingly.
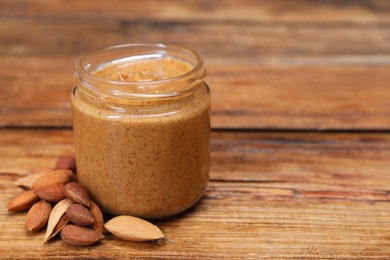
(148, 157)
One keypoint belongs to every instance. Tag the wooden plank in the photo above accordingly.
(35, 91)
(342, 162)
(223, 227)
(194, 10)
(288, 161)
(237, 218)
(330, 97)
(218, 42)
(325, 100)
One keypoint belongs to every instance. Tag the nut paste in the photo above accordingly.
(142, 129)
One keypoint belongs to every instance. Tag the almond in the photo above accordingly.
(27, 181)
(80, 215)
(66, 163)
(60, 225)
(133, 229)
(77, 194)
(37, 216)
(53, 177)
(23, 201)
(98, 224)
(52, 193)
(80, 236)
(55, 216)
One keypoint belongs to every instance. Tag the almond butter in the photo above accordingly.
(98, 224)
(77, 193)
(133, 229)
(37, 216)
(53, 177)
(27, 181)
(80, 236)
(57, 212)
(23, 201)
(51, 193)
(66, 163)
(80, 215)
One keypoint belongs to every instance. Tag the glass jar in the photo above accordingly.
(142, 147)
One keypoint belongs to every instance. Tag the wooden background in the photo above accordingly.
(300, 118)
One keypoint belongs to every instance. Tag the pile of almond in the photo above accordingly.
(54, 199)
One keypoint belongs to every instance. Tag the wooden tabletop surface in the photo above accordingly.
(300, 120)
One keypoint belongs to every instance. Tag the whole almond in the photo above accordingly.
(23, 201)
(77, 193)
(98, 224)
(27, 181)
(133, 229)
(53, 177)
(60, 225)
(66, 163)
(52, 193)
(80, 215)
(37, 216)
(80, 236)
(55, 216)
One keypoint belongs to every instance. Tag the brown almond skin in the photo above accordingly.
(80, 215)
(98, 224)
(37, 216)
(51, 193)
(77, 193)
(23, 201)
(53, 177)
(67, 162)
(80, 236)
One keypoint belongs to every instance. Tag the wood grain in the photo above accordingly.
(36, 92)
(200, 10)
(296, 163)
(221, 42)
(313, 195)
(272, 64)
(220, 228)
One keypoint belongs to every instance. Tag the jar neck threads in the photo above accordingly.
(171, 87)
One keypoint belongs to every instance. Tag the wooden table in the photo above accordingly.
(300, 119)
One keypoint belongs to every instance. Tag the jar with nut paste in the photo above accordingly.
(142, 128)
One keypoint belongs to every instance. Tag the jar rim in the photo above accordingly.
(196, 71)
